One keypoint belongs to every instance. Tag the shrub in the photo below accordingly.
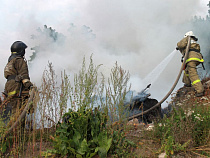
(82, 134)
(185, 128)
(85, 130)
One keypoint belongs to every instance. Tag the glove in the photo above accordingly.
(28, 85)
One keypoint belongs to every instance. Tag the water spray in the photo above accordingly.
(153, 76)
(172, 88)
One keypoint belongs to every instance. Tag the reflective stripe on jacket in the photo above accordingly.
(196, 81)
(194, 59)
(193, 55)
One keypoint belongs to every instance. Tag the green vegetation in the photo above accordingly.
(187, 127)
(82, 134)
(87, 130)
(76, 119)
(5, 142)
(87, 119)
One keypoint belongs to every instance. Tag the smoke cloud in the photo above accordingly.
(137, 35)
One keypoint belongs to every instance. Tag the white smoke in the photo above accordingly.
(138, 35)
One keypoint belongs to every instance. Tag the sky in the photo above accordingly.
(138, 35)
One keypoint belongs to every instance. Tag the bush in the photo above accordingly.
(82, 134)
(85, 130)
(184, 129)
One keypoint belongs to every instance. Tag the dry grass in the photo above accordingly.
(51, 103)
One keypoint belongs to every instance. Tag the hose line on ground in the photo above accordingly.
(172, 88)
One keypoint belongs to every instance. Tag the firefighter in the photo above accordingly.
(18, 81)
(190, 77)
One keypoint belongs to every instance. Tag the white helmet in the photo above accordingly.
(189, 33)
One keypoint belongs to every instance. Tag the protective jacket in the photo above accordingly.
(194, 54)
(16, 71)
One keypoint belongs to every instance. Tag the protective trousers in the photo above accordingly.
(12, 110)
(191, 76)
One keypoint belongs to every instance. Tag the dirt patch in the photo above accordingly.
(141, 135)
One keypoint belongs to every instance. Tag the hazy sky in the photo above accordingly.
(137, 34)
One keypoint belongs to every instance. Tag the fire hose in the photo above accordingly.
(172, 88)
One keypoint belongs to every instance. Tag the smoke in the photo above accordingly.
(137, 35)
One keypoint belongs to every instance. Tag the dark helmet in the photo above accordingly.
(19, 48)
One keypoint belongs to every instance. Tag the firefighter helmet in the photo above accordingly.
(189, 33)
(18, 47)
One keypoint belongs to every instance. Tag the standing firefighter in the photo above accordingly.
(18, 81)
(194, 58)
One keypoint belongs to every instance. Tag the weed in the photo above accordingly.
(85, 131)
(79, 112)
(184, 129)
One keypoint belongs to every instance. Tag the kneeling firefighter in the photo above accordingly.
(190, 77)
(18, 81)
